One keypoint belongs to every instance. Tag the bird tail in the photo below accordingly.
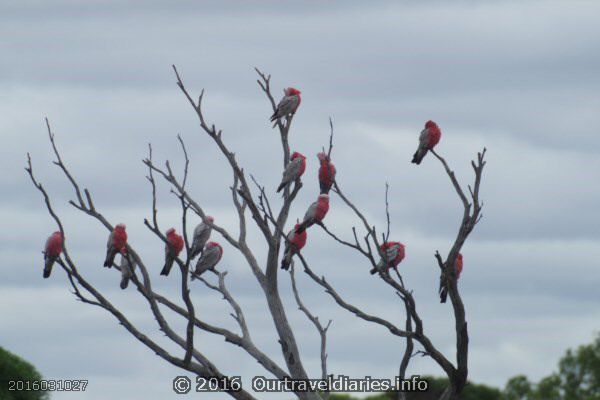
(167, 268)
(110, 258)
(325, 188)
(280, 188)
(48, 266)
(418, 156)
(373, 271)
(286, 260)
(194, 251)
(303, 225)
(124, 282)
(274, 118)
(443, 289)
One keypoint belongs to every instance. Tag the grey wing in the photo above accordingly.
(207, 260)
(391, 253)
(291, 172)
(287, 105)
(202, 234)
(126, 267)
(424, 138)
(311, 211)
(110, 240)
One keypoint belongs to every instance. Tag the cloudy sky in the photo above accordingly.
(520, 78)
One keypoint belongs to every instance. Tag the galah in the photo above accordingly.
(52, 251)
(316, 212)
(288, 104)
(293, 171)
(211, 255)
(458, 266)
(326, 172)
(430, 136)
(295, 243)
(117, 241)
(127, 268)
(173, 247)
(393, 252)
(201, 236)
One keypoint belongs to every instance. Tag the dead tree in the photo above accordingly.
(254, 202)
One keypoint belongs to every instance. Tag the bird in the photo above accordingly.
(295, 243)
(429, 137)
(117, 241)
(326, 172)
(173, 247)
(287, 105)
(127, 268)
(201, 235)
(443, 290)
(211, 255)
(316, 212)
(293, 171)
(393, 252)
(52, 251)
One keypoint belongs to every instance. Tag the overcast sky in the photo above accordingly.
(520, 78)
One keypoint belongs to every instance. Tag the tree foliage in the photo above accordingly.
(14, 368)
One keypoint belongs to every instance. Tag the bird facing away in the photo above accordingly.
(316, 212)
(52, 251)
(209, 259)
(393, 252)
(295, 243)
(429, 137)
(287, 105)
(117, 241)
(443, 291)
(173, 247)
(201, 235)
(326, 172)
(293, 171)
(127, 268)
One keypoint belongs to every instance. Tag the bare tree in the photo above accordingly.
(271, 224)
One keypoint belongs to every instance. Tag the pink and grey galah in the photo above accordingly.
(52, 251)
(429, 137)
(295, 243)
(316, 212)
(293, 171)
(393, 254)
(127, 266)
(201, 235)
(443, 290)
(326, 172)
(117, 241)
(209, 259)
(173, 247)
(287, 105)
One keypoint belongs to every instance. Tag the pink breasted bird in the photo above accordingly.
(295, 243)
(430, 136)
(326, 172)
(173, 247)
(201, 236)
(393, 252)
(458, 266)
(52, 251)
(287, 105)
(316, 212)
(293, 171)
(117, 241)
(127, 268)
(209, 259)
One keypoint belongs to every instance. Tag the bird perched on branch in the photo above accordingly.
(52, 251)
(293, 171)
(326, 172)
(315, 213)
(127, 267)
(211, 255)
(287, 105)
(430, 136)
(117, 241)
(295, 243)
(393, 254)
(201, 235)
(173, 247)
(458, 266)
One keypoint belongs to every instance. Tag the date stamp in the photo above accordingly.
(48, 385)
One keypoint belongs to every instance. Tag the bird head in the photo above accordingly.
(297, 155)
(292, 92)
(57, 234)
(322, 156)
(171, 232)
(210, 218)
(430, 124)
(324, 197)
(215, 244)
(120, 227)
